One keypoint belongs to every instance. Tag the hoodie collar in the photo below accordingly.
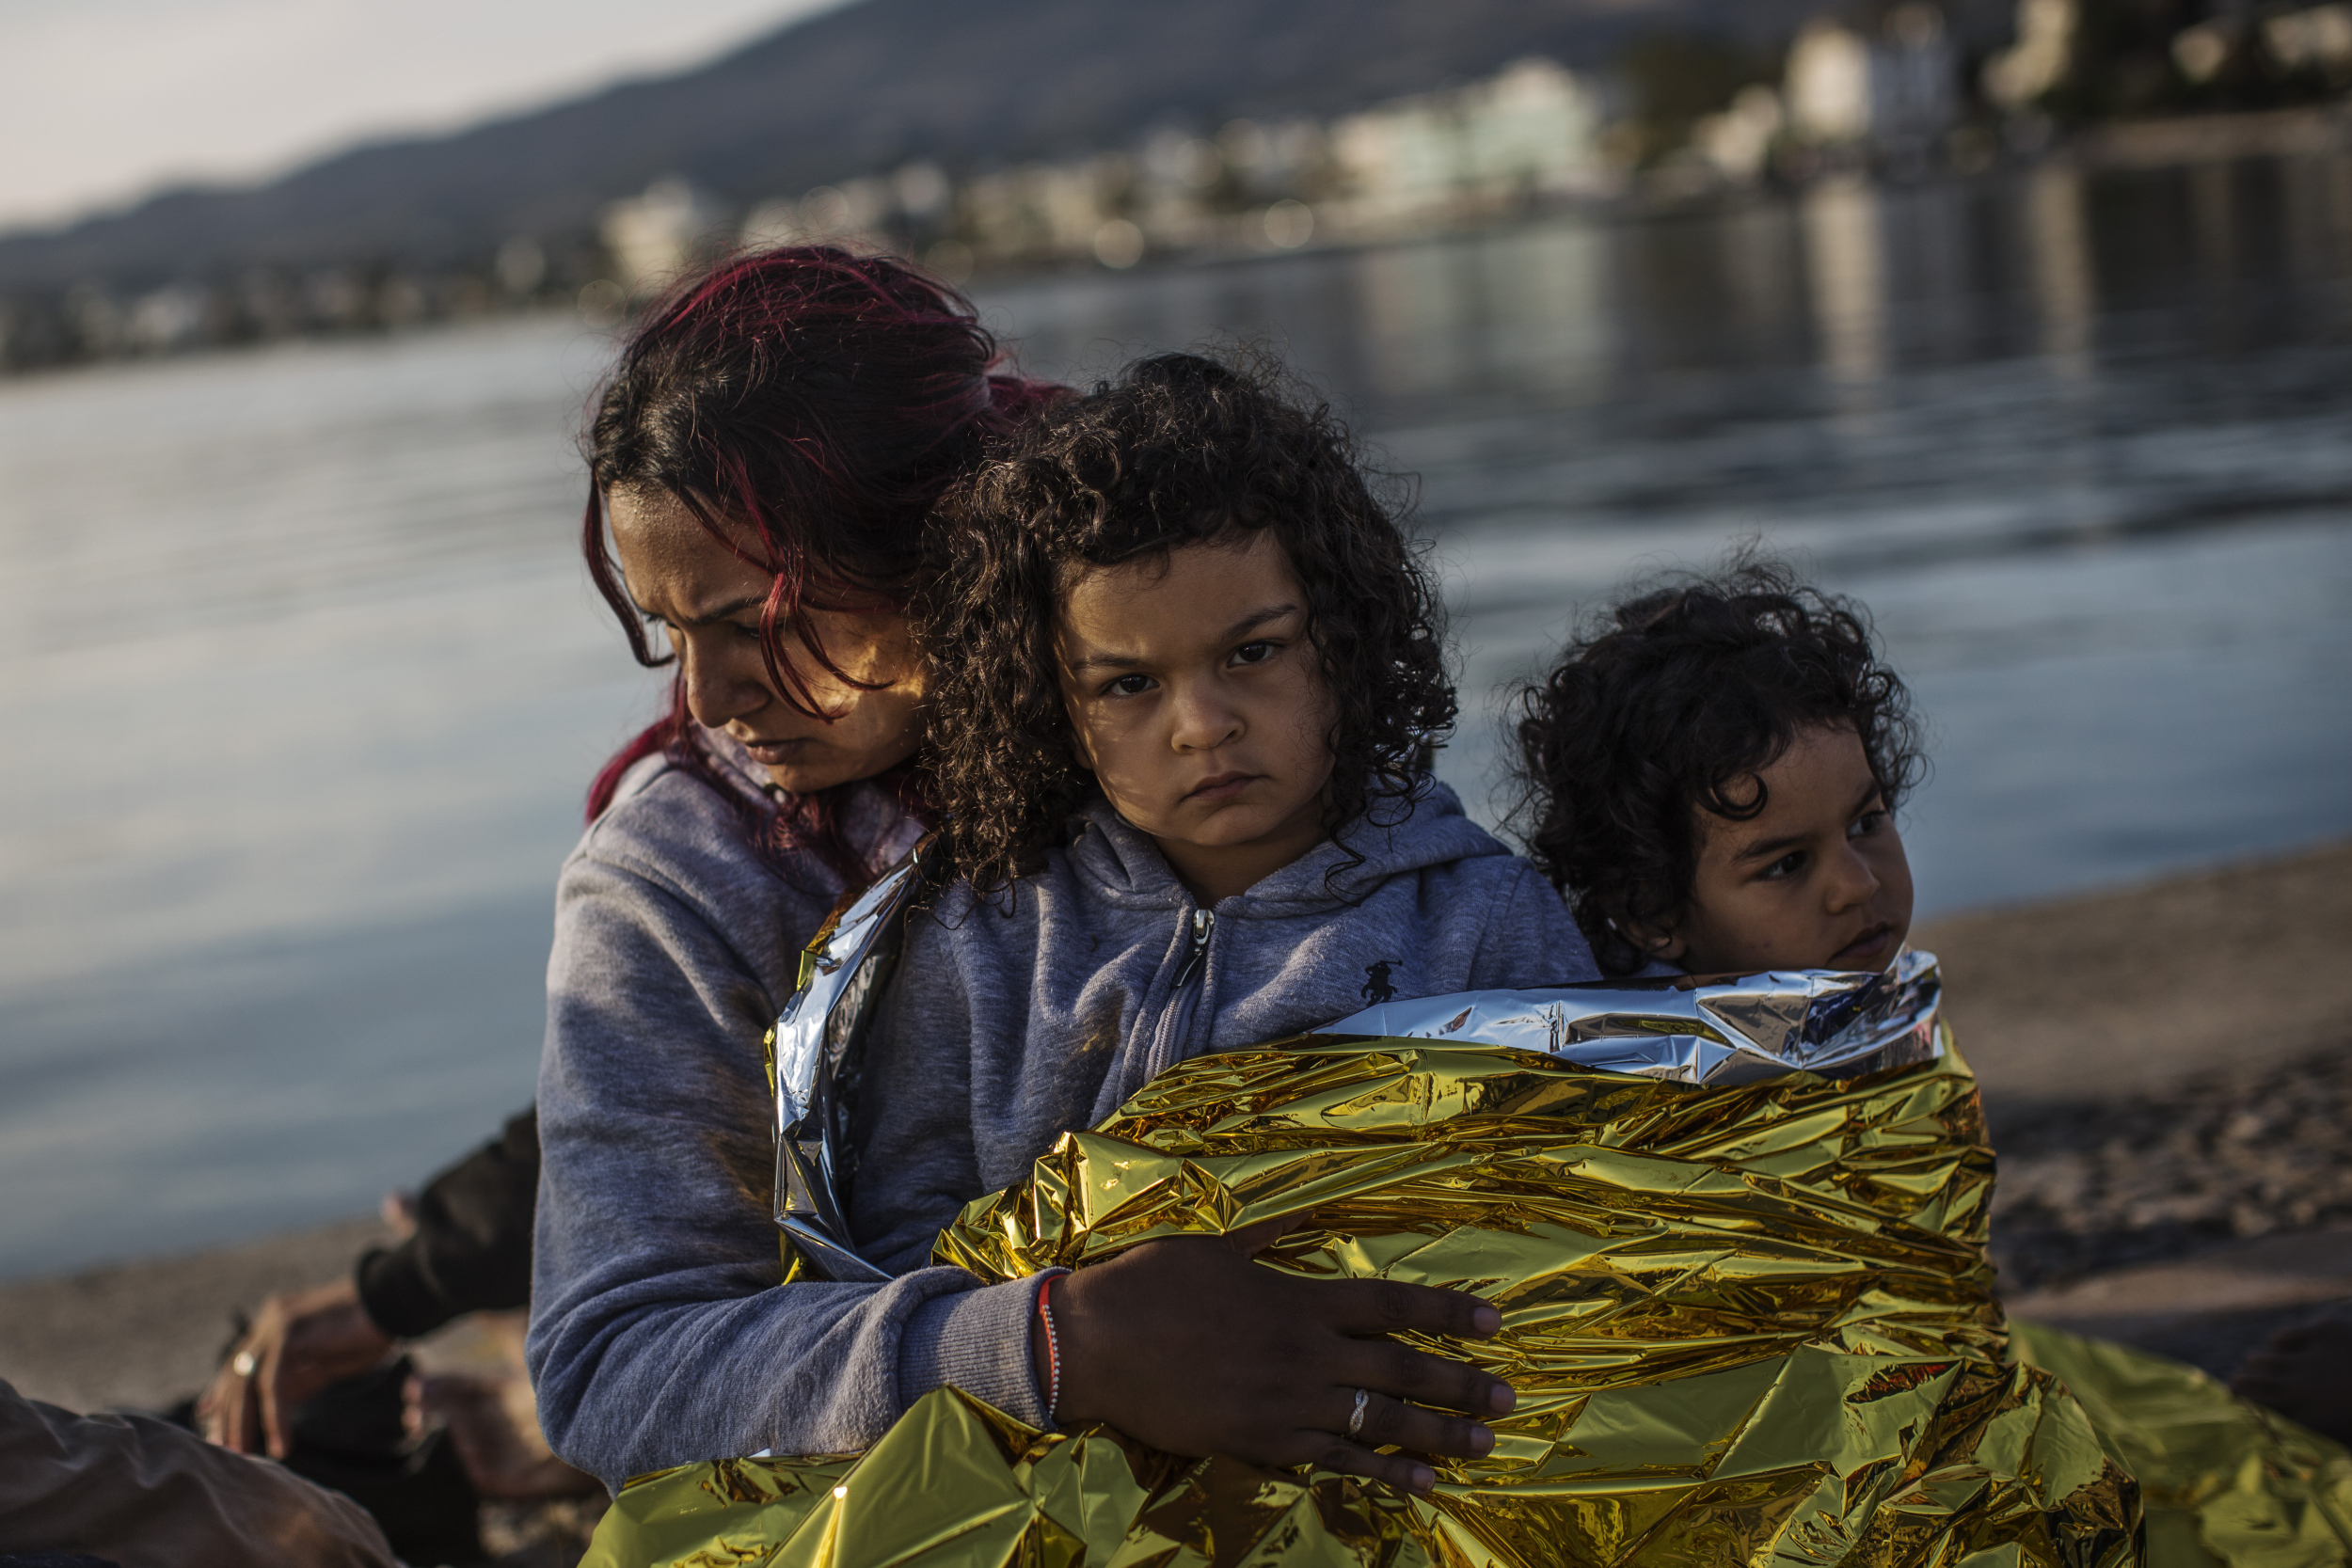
(734, 764)
(1126, 866)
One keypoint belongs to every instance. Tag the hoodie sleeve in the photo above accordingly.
(660, 1333)
(1534, 941)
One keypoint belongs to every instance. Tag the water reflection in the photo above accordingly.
(1845, 250)
(2065, 289)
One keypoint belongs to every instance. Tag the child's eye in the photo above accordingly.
(1128, 686)
(1253, 653)
(1867, 824)
(1785, 866)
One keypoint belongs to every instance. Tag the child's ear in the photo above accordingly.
(1659, 947)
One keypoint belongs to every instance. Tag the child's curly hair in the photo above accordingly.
(1671, 702)
(1179, 451)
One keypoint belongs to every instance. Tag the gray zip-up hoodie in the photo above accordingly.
(1002, 1030)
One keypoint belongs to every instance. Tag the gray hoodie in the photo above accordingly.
(1002, 1030)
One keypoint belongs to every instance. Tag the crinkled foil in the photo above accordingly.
(2221, 1478)
(1703, 1030)
(815, 1056)
(1747, 1324)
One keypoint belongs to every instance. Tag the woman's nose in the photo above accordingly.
(721, 684)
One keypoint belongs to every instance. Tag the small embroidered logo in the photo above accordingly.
(1377, 989)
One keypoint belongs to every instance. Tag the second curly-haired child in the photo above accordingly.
(1188, 673)
(1711, 776)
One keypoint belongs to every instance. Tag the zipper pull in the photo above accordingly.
(1203, 926)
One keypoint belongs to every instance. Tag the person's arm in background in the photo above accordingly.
(658, 1332)
(136, 1489)
(471, 1251)
(472, 1248)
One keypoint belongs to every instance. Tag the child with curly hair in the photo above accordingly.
(1710, 775)
(1187, 672)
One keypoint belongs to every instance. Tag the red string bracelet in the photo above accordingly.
(1053, 1346)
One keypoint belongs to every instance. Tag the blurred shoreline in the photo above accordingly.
(2070, 1008)
(86, 325)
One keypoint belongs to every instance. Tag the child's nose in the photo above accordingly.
(1202, 722)
(1853, 883)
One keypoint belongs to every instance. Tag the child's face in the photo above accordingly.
(1816, 881)
(1199, 704)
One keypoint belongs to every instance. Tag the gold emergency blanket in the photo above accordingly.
(1746, 1324)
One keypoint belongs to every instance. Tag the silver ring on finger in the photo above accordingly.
(1356, 1420)
(243, 1363)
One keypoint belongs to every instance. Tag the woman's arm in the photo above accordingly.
(659, 1333)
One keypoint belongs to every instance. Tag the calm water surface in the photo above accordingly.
(303, 682)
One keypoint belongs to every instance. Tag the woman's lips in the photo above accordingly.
(1224, 787)
(775, 753)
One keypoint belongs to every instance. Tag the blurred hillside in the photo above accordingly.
(863, 90)
(1020, 133)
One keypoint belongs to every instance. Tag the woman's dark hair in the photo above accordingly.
(808, 406)
(1179, 451)
(1671, 704)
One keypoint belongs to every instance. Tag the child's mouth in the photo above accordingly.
(1870, 950)
(1224, 787)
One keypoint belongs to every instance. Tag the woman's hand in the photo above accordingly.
(1190, 1346)
(299, 1343)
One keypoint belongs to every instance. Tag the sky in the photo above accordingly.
(103, 101)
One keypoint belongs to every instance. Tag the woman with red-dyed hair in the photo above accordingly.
(763, 460)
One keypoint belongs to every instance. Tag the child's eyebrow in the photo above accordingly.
(1772, 848)
(1234, 633)
(1776, 847)
(1255, 619)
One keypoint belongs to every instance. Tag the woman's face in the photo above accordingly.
(710, 602)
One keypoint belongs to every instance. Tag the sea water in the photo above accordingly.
(303, 683)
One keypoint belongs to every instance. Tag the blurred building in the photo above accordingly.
(652, 236)
(1530, 133)
(1736, 144)
(2040, 59)
(2316, 40)
(1893, 89)
(1527, 135)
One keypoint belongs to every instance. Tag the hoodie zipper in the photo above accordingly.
(1176, 1019)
